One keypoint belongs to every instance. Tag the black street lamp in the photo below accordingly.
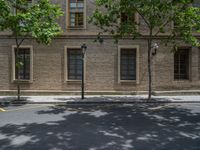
(83, 48)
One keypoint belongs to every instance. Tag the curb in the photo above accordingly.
(78, 102)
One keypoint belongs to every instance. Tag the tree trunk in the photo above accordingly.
(17, 60)
(149, 65)
(18, 91)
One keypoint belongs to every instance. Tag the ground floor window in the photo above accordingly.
(128, 63)
(181, 64)
(22, 63)
(74, 64)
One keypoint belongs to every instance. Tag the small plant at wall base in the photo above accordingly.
(27, 20)
(157, 16)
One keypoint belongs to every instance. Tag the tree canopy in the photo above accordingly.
(156, 14)
(37, 20)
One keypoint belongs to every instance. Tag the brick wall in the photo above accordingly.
(101, 67)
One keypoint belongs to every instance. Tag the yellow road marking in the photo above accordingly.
(1, 109)
(24, 108)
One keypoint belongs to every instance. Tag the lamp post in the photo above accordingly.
(83, 48)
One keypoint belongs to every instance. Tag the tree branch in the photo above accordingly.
(163, 25)
(145, 20)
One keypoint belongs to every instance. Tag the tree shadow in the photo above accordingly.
(6, 101)
(111, 127)
(118, 99)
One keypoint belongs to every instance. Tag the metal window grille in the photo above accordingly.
(74, 64)
(128, 64)
(22, 72)
(76, 13)
(181, 64)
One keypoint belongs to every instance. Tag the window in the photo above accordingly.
(30, 2)
(129, 21)
(22, 8)
(74, 64)
(76, 14)
(128, 64)
(196, 3)
(181, 64)
(126, 18)
(22, 63)
(175, 24)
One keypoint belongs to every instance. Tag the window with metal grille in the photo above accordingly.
(128, 64)
(22, 72)
(74, 63)
(76, 14)
(181, 64)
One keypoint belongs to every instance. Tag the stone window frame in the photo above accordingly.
(84, 16)
(13, 79)
(189, 65)
(137, 47)
(66, 79)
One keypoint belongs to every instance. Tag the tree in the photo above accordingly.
(29, 20)
(157, 16)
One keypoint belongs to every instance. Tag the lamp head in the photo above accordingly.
(155, 46)
(84, 48)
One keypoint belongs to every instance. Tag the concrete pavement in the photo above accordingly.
(99, 99)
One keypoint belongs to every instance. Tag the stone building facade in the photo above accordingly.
(49, 69)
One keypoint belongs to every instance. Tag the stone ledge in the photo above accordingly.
(58, 92)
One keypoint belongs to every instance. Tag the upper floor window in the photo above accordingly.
(76, 14)
(196, 3)
(126, 18)
(21, 9)
(30, 2)
(181, 64)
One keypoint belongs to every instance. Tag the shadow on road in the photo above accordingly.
(7, 101)
(111, 127)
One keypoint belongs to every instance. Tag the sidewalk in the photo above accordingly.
(99, 99)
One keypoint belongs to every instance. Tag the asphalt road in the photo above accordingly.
(103, 127)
